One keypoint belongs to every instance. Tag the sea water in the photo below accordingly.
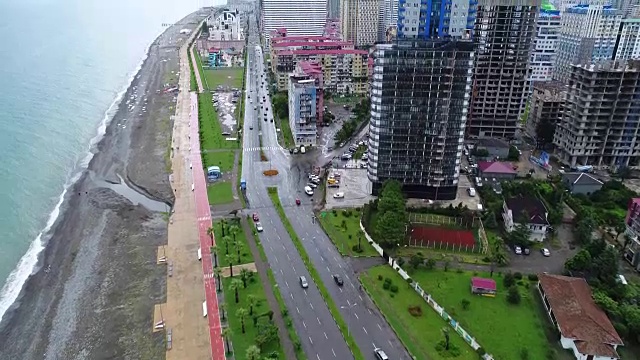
(63, 66)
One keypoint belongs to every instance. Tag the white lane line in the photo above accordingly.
(318, 251)
(318, 356)
(348, 303)
(288, 258)
(276, 259)
(335, 258)
(310, 304)
(298, 310)
(326, 337)
(389, 341)
(334, 353)
(279, 237)
(370, 311)
(328, 269)
(319, 323)
(365, 330)
(353, 286)
(286, 283)
(291, 295)
(361, 299)
(303, 324)
(281, 272)
(340, 266)
(356, 315)
(379, 327)
(310, 340)
(340, 289)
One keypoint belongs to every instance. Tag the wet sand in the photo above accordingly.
(94, 295)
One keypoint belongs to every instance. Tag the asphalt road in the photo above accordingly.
(318, 332)
(365, 322)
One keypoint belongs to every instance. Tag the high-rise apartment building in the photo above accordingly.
(504, 33)
(359, 21)
(545, 111)
(303, 114)
(588, 34)
(543, 53)
(387, 18)
(420, 94)
(601, 118)
(299, 17)
(333, 9)
(628, 42)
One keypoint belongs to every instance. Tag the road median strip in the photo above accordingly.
(357, 354)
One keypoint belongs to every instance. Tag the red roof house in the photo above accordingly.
(496, 169)
(483, 286)
(584, 327)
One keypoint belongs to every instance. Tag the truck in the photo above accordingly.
(302, 149)
(243, 184)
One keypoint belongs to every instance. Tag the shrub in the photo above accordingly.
(459, 270)
(532, 277)
(453, 351)
(415, 310)
(480, 351)
(508, 280)
(446, 265)
(386, 285)
(284, 312)
(394, 288)
(430, 264)
(356, 248)
(513, 295)
(334, 212)
(551, 354)
(465, 304)
(387, 280)
(517, 275)
(380, 277)
(392, 295)
(475, 273)
(524, 354)
(520, 282)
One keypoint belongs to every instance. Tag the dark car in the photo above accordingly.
(338, 279)
(526, 251)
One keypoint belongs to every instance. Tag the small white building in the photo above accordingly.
(584, 328)
(526, 210)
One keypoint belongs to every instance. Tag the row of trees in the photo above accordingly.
(392, 217)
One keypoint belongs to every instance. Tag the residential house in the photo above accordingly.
(495, 147)
(584, 328)
(632, 250)
(526, 210)
(496, 170)
(581, 183)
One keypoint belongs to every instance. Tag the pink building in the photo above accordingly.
(313, 70)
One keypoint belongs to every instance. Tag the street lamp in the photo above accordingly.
(350, 306)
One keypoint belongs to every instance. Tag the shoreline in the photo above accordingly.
(98, 253)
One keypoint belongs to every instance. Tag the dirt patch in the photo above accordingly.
(271, 172)
(237, 268)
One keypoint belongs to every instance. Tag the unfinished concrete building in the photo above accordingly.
(601, 116)
(545, 111)
(503, 34)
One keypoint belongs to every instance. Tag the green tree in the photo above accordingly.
(210, 232)
(430, 264)
(226, 240)
(360, 236)
(416, 260)
(241, 314)
(252, 301)
(223, 224)
(267, 333)
(445, 332)
(230, 259)
(239, 248)
(233, 230)
(514, 154)
(581, 261)
(490, 221)
(218, 272)
(244, 276)
(235, 287)
(223, 310)
(513, 295)
(391, 228)
(253, 353)
(520, 235)
(214, 251)
(226, 335)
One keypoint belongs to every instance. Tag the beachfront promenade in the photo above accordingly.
(203, 214)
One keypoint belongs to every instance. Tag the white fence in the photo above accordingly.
(432, 303)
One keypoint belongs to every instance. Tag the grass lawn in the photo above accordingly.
(345, 235)
(224, 159)
(227, 76)
(287, 136)
(210, 129)
(219, 193)
(442, 255)
(501, 328)
(221, 244)
(240, 342)
(419, 334)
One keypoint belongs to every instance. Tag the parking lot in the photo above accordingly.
(462, 196)
(355, 186)
(225, 103)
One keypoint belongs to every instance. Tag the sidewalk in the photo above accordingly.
(261, 266)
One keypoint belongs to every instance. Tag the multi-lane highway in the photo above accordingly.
(366, 324)
(318, 332)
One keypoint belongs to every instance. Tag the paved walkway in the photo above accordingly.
(196, 70)
(261, 266)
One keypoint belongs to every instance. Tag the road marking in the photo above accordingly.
(279, 238)
(334, 353)
(305, 292)
(370, 311)
(328, 269)
(353, 286)
(326, 337)
(340, 266)
(356, 315)
(310, 304)
(276, 259)
(340, 289)
(365, 330)
(379, 327)
(291, 295)
(286, 283)
(303, 324)
(361, 299)
(389, 341)
(298, 310)
(335, 258)
(288, 258)
(348, 303)
(281, 272)
(318, 356)
(310, 340)
(319, 323)
(318, 251)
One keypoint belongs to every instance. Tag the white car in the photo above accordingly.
(545, 252)
(471, 191)
(339, 195)
(518, 250)
(259, 227)
(308, 190)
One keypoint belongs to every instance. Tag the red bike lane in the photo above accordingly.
(203, 214)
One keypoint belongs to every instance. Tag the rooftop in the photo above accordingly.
(322, 52)
(578, 316)
(483, 283)
(496, 167)
(531, 205)
(292, 43)
(580, 178)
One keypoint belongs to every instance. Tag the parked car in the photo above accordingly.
(303, 282)
(380, 355)
(308, 190)
(312, 185)
(545, 252)
(338, 279)
(517, 250)
(471, 191)
(298, 202)
(526, 251)
(339, 195)
(255, 217)
(259, 227)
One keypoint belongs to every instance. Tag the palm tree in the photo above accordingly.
(214, 251)
(252, 300)
(242, 313)
(218, 272)
(226, 334)
(223, 310)
(210, 232)
(233, 230)
(235, 287)
(445, 332)
(226, 241)
(244, 276)
(239, 247)
(253, 353)
(230, 260)
(360, 235)
(223, 222)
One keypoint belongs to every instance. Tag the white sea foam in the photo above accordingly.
(29, 261)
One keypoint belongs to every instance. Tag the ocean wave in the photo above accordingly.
(28, 264)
